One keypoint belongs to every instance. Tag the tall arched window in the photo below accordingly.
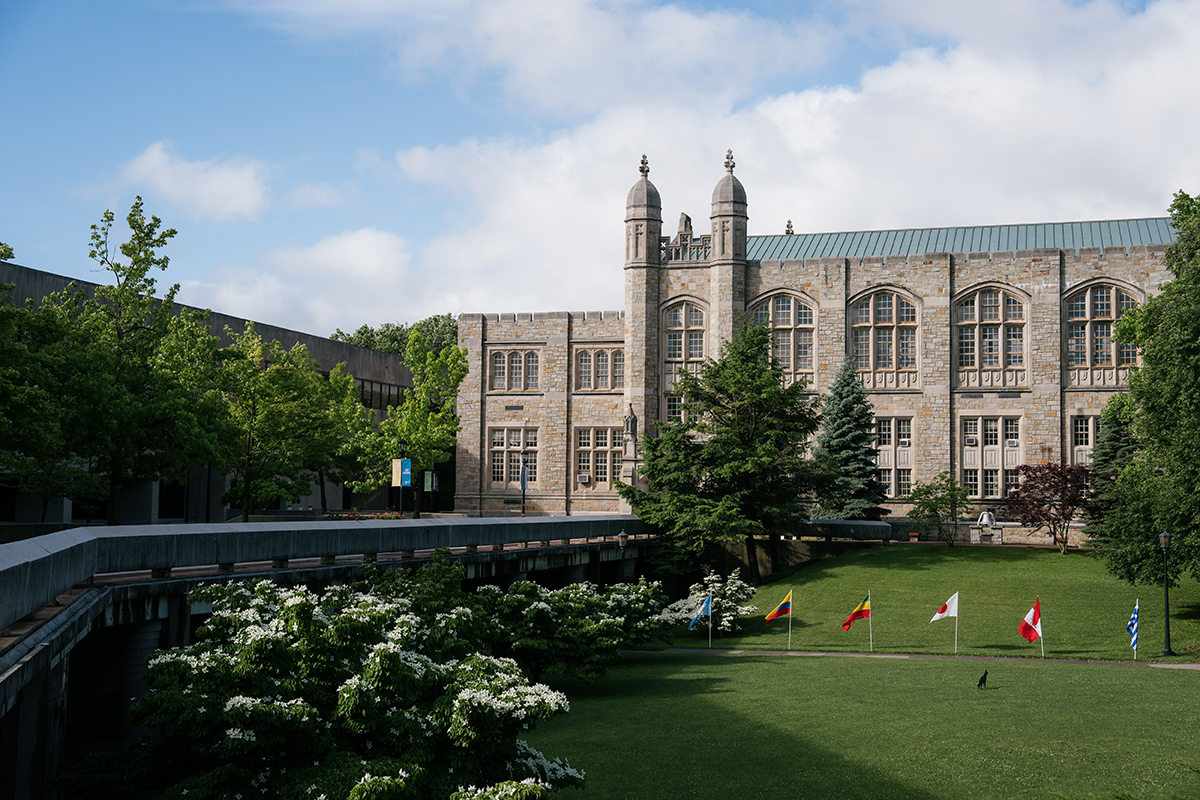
(793, 334)
(990, 338)
(1093, 357)
(884, 340)
(514, 370)
(600, 370)
(683, 348)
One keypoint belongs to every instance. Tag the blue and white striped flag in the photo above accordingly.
(705, 611)
(1132, 628)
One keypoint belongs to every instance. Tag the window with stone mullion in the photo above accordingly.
(1091, 315)
(991, 331)
(883, 334)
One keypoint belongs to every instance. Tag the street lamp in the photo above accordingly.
(1164, 539)
(622, 538)
(524, 479)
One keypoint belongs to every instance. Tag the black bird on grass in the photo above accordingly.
(983, 680)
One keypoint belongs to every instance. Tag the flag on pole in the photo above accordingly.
(861, 611)
(705, 611)
(1132, 628)
(948, 609)
(784, 609)
(1031, 626)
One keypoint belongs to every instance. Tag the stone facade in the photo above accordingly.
(975, 361)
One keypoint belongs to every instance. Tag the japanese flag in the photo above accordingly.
(1031, 626)
(948, 609)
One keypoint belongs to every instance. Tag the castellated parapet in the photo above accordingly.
(994, 351)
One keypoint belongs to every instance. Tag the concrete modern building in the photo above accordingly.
(981, 348)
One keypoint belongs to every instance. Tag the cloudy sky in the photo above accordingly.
(329, 163)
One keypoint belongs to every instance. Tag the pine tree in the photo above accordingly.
(846, 446)
(1115, 448)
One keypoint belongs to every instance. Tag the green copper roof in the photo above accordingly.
(983, 238)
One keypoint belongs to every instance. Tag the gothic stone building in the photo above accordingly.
(981, 348)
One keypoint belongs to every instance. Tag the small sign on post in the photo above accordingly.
(401, 472)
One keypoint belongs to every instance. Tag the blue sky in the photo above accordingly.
(334, 162)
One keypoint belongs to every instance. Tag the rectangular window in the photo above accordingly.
(783, 311)
(883, 432)
(584, 437)
(1011, 481)
(862, 313)
(906, 348)
(601, 437)
(619, 369)
(497, 466)
(783, 348)
(674, 408)
(585, 370)
(1101, 302)
(514, 371)
(675, 346)
(989, 346)
(904, 429)
(498, 379)
(1126, 354)
(514, 466)
(991, 483)
(617, 461)
(1014, 346)
(531, 466)
(883, 348)
(970, 427)
(884, 476)
(966, 347)
(883, 309)
(530, 438)
(1012, 429)
(1101, 344)
(1077, 345)
(862, 349)
(497, 437)
(1081, 432)
(506, 447)
(903, 482)
(1077, 306)
(989, 306)
(966, 310)
(531, 371)
(695, 346)
(991, 432)
(804, 348)
(971, 481)
(1013, 309)
(601, 471)
(585, 461)
(601, 370)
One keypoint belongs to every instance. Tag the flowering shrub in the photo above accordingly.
(727, 596)
(345, 515)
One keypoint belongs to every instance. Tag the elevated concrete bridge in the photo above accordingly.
(80, 610)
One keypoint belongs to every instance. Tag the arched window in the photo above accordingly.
(684, 332)
(600, 370)
(990, 338)
(793, 334)
(884, 339)
(1093, 356)
(514, 370)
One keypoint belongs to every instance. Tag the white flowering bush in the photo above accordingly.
(728, 595)
(385, 690)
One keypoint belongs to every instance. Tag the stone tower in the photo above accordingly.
(643, 230)
(727, 262)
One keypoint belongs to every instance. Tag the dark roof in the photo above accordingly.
(980, 238)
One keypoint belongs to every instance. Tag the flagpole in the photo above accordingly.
(1136, 606)
(1042, 638)
(710, 627)
(870, 623)
(790, 624)
(956, 613)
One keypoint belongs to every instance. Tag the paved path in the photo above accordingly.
(715, 651)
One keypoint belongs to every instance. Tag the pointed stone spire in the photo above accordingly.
(643, 220)
(729, 161)
(788, 230)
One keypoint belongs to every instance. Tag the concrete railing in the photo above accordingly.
(35, 571)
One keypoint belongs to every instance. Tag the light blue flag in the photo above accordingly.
(705, 611)
(1132, 627)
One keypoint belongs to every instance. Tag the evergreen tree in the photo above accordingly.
(846, 446)
(1115, 449)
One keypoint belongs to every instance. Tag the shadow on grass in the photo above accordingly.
(688, 737)
(916, 558)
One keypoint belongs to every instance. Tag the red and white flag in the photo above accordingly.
(948, 609)
(1031, 626)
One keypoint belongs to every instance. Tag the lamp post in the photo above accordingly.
(524, 479)
(401, 449)
(622, 538)
(1164, 539)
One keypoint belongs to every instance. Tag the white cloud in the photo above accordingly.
(341, 281)
(232, 189)
(315, 195)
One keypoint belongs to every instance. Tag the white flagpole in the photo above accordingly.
(790, 609)
(710, 621)
(1041, 638)
(1137, 604)
(956, 613)
(870, 619)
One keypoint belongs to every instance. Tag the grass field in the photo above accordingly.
(699, 725)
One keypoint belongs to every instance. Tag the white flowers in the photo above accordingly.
(241, 733)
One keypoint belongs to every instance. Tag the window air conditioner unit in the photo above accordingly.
(905, 442)
(584, 477)
(972, 441)
(1012, 442)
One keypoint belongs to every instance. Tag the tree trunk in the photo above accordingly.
(324, 504)
(752, 560)
(417, 489)
(246, 499)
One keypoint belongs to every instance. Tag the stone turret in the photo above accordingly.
(643, 221)
(729, 216)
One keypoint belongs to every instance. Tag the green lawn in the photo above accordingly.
(709, 726)
(665, 725)
(1084, 610)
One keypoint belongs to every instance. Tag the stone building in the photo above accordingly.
(981, 348)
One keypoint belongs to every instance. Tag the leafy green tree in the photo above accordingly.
(938, 505)
(1050, 496)
(846, 446)
(338, 447)
(355, 693)
(1159, 488)
(733, 467)
(441, 330)
(276, 403)
(424, 426)
(6, 252)
(1115, 449)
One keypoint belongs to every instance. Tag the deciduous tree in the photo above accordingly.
(1049, 496)
(938, 505)
(733, 466)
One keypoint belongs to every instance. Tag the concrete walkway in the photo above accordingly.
(716, 651)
